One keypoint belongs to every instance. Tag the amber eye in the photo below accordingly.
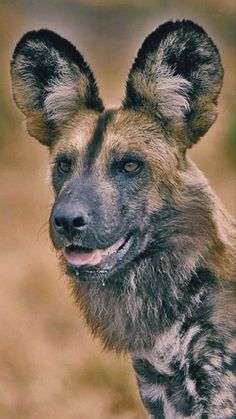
(64, 166)
(131, 167)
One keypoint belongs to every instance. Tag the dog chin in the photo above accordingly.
(85, 263)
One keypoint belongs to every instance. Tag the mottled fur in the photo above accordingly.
(170, 301)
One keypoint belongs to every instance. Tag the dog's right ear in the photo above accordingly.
(51, 82)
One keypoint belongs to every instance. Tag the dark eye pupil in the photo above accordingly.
(131, 166)
(64, 166)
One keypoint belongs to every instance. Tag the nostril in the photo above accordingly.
(57, 222)
(79, 222)
(69, 221)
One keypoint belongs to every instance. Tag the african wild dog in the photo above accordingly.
(146, 242)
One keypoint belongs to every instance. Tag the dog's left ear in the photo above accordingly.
(51, 82)
(176, 77)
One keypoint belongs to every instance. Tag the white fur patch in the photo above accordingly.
(191, 387)
(167, 92)
(152, 392)
(66, 92)
(168, 346)
(64, 95)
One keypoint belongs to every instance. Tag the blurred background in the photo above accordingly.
(50, 366)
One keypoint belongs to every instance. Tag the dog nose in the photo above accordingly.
(69, 221)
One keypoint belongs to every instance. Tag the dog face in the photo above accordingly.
(108, 186)
(115, 172)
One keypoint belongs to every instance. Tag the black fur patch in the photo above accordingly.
(95, 144)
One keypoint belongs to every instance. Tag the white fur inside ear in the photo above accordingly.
(168, 93)
(64, 96)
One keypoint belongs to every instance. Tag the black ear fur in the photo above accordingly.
(51, 81)
(177, 76)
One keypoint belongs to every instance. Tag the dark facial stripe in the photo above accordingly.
(95, 144)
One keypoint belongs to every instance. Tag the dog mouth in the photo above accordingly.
(85, 259)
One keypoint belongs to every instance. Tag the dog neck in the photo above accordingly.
(130, 315)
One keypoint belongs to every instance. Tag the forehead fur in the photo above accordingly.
(126, 131)
(130, 130)
(76, 134)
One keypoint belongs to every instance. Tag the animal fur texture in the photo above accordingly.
(148, 246)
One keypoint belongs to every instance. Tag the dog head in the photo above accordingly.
(120, 176)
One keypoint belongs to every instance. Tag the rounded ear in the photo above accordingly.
(177, 77)
(51, 82)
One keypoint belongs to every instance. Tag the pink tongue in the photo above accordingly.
(77, 258)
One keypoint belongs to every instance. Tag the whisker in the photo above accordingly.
(43, 229)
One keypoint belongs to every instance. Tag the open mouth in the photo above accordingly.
(96, 259)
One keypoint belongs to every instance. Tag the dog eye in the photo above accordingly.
(131, 167)
(64, 166)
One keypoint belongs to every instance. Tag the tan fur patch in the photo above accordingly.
(77, 134)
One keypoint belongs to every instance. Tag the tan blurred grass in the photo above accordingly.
(50, 367)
